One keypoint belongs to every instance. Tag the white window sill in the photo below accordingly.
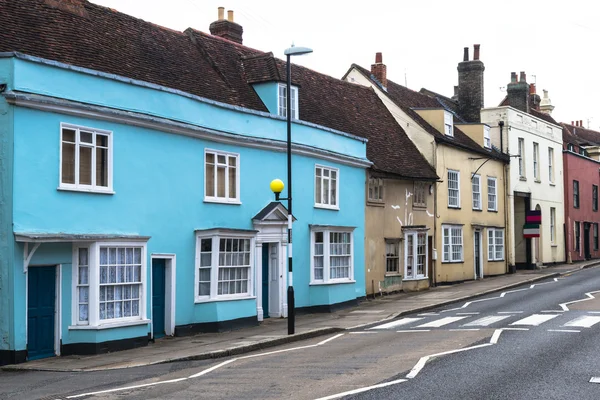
(327, 207)
(221, 201)
(85, 190)
(393, 274)
(332, 282)
(109, 325)
(418, 278)
(218, 299)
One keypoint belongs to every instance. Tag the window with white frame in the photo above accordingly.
(419, 195)
(492, 194)
(552, 225)
(221, 176)
(282, 101)
(550, 164)
(109, 283)
(375, 190)
(536, 162)
(487, 141)
(453, 188)
(85, 159)
(448, 124)
(495, 244)
(453, 243)
(521, 153)
(392, 256)
(476, 185)
(326, 187)
(224, 265)
(415, 255)
(332, 255)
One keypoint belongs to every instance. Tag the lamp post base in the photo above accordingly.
(291, 310)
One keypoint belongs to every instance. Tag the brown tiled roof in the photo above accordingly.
(83, 34)
(408, 100)
(580, 135)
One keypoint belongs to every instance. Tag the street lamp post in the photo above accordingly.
(292, 51)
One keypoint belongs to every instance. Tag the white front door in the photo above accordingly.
(274, 281)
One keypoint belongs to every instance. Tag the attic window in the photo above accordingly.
(570, 147)
(282, 101)
(487, 141)
(448, 124)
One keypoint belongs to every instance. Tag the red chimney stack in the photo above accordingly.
(379, 70)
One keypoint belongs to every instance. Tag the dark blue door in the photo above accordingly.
(158, 298)
(41, 301)
(265, 280)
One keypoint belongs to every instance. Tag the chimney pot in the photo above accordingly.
(572, 122)
(476, 52)
(226, 28)
(532, 88)
(513, 77)
(379, 69)
(581, 122)
(221, 13)
(378, 58)
(522, 78)
(230, 15)
(470, 94)
(466, 54)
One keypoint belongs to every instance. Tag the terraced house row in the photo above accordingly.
(135, 164)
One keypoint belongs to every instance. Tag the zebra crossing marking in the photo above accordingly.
(585, 321)
(485, 321)
(402, 321)
(440, 322)
(535, 319)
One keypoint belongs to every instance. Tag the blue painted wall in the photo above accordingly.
(6, 238)
(159, 190)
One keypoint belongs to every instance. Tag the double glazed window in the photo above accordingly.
(326, 187)
(332, 258)
(453, 243)
(86, 159)
(415, 265)
(495, 244)
(453, 188)
(224, 266)
(221, 176)
(109, 282)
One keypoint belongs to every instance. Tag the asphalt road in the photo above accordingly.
(528, 343)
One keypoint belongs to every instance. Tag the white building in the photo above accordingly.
(534, 141)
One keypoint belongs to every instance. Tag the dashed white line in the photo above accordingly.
(402, 321)
(440, 322)
(564, 330)
(595, 379)
(365, 389)
(357, 333)
(464, 329)
(515, 329)
(427, 314)
(510, 312)
(467, 313)
(415, 330)
(485, 321)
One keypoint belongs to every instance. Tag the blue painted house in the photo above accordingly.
(135, 164)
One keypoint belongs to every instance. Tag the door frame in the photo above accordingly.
(170, 285)
(272, 233)
(480, 232)
(57, 303)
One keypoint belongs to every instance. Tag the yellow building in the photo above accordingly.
(470, 222)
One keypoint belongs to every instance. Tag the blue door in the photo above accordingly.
(158, 297)
(41, 302)
(265, 280)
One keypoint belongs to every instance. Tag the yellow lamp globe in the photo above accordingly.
(277, 185)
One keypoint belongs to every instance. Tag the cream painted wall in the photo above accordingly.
(420, 137)
(544, 193)
(452, 158)
(385, 221)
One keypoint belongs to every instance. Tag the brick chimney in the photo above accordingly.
(379, 70)
(470, 86)
(226, 28)
(534, 98)
(518, 92)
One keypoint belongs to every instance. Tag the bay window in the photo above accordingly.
(415, 254)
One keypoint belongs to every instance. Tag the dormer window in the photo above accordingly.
(570, 147)
(282, 101)
(487, 141)
(448, 124)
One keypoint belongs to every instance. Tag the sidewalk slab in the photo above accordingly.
(273, 332)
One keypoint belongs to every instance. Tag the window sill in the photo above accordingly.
(494, 211)
(393, 274)
(496, 260)
(537, 181)
(522, 178)
(222, 201)
(421, 207)
(553, 245)
(327, 207)
(418, 278)
(454, 207)
(85, 190)
(453, 262)
(109, 325)
(552, 184)
(219, 299)
(374, 203)
(477, 209)
(328, 283)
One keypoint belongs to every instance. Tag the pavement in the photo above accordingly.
(273, 332)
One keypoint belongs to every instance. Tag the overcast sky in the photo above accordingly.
(555, 43)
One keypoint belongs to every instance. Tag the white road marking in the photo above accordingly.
(415, 330)
(563, 330)
(594, 312)
(485, 321)
(467, 313)
(589, 297)
(427, 314)
(356, 333)
(510, 312)
(496, 336)
(440, 322)
(595, 379)
(552, 311)
(366, 312)
(534, 320)
(461, 330)
(586, 321)
(402, 321)
(126, 388)
(365, 389)
(320, 343)
(515, 329)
